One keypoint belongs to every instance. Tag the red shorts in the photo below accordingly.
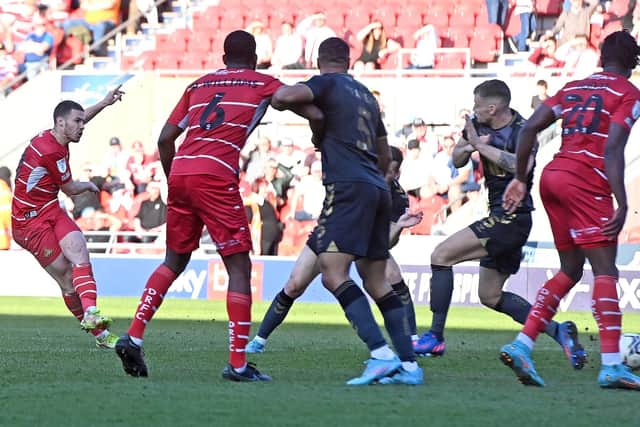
(576, 214)
(41, 235)
(197, 200)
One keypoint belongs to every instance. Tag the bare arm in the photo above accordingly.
(113, 96)
(72, 188)
(527, 139)
(407, 220)
(384, 156)
(614, 168)
(286, 96)
(298, 98)
(167, 145)
(504, 159)
(462, 152)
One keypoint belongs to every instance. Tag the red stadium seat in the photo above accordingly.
(450, 61)
(409, 20)
(458, 37)
(192, 61)
(513, 24)
(385, 14)
(208, 20)
(199, 42)
(486, 42)
(548, 7)
(437, 15)
(463, 15)
(356, 18)
(165, 61)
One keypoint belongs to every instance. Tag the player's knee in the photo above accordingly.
(294, 287)
(489, 299)
(439, 256)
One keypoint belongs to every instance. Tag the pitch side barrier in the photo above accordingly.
(205, 277)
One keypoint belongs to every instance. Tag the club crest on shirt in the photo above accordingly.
(62, 165)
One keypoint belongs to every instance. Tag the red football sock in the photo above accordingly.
(157, 286)
(85, 285)
(72, 301)
(239, 311)
(606, 311)
(547, 300)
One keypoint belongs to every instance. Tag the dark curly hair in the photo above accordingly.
(620, 48)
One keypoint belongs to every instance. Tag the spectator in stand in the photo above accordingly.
(256, 159)
(312, 192)
(88, 198)
(424, 55)
(266, 228)
(6, 194)
(376, 47)
(36, 47)
(449, 181)
(278, 178)
(314, 29)
(264, 47)
(100, 17)
(429, 142)
(291, 157)
(8, 67)
(414, 171)
(541, 94)
(152, 215)
(580, 58)
(497, 11)
(149, 10)
(6, 32)
(287, 54)
(138, 167)
(115, 160)
(92, 219)
(525, 10)
(544, 56)
(575, 21)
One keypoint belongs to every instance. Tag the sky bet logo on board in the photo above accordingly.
(219, 280)
(189, 284)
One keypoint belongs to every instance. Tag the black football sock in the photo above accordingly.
(277, 312)
(402, 290)
(441, 291)
(397, 325)
(358, 312)
(517, 308)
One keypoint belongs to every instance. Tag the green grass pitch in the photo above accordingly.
(52, 375)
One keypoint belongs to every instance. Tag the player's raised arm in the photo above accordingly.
(113, 96)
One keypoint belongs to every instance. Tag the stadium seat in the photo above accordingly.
(463, 15)
(486, 42)
(548, 7)
(207, 20)
(450, 61)
(199, 42)
(457, 37)
(165, 61)
(385, 14)
(192, 61)
(513, 25)
(356, 18)
(437, 15)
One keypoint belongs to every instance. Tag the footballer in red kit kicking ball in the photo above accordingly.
(42, 226)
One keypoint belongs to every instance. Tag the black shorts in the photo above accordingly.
(354, 220)
(503, 236)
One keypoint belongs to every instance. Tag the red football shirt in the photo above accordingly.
(219, 111)
(43, 169)
(587, 108)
